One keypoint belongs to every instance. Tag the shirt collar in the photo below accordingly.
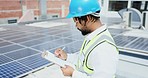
(94, 33)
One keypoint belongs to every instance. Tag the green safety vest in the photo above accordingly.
(82, 64)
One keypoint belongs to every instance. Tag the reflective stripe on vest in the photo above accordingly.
(97, 40)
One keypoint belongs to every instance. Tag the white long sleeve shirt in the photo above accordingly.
(103, 58)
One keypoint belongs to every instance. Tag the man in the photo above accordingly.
(98, 55)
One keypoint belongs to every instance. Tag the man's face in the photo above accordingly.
(84, 29)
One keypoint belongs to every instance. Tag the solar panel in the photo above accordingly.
(34, 62)
(4, 43)
(4, 59)
(17, 36)
(28, 38)
(39, 41)
(53, 44)
(140, 44)
(66, 34)
(10, 34)
(12, 70)
(21, 46)
(21, 53)
(10, 48)
(6, 32)
(123, 40)
(117, 31)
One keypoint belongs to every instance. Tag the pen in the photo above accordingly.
(63, 48)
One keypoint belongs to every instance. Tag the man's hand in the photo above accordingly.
(60, 54)
(68, 71)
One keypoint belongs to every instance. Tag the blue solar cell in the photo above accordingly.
(70, 48)
(21, 53)
(17, 36)
(4, 59)
(11, 34)
(28, 38)
(12, 70)
(123, 40)
(4, 44)
(39, 41)
(46, 46)
(34, 61)
(9, 48)
(53, 44)
(56, 32)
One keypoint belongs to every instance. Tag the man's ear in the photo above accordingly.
(88, 19)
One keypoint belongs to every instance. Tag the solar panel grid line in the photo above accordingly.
(132, 42)
(32, 32)
(5, 32)
(138, 42)
(13, 32)
(21, 58)
(39, 41)
(21, 53)
(35, 63)
(24, 65)
(123, 40)
(29, 38)
(7, 63)
(21, 46)
(55, 32)
(116, 35)
(17, 36)
(7, 35)
(4, 43)
(47, 42)
(28, 56)
(34, 70)
(9, 50)
(141, 44)
(16, 70)
(146, 49)
(66, 34)
(34, 38)
(61, 46)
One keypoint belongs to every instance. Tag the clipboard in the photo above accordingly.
(52, 58)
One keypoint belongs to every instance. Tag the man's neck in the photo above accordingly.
(95, 25)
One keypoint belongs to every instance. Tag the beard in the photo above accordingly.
(84, 32)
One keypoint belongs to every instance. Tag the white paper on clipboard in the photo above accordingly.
(52, 58)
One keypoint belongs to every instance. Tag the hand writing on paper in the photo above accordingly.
(60, 54)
